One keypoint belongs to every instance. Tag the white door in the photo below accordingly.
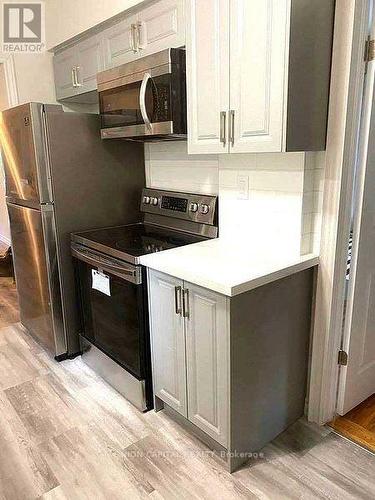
(357, 379)
(90, 62)
(167, 340)
(207, 352)
(207, 73)
(120, 45)
(161, 26)
(258, 42)
(63, 64)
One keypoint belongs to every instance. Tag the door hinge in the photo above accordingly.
(369, 50)
(343, 358)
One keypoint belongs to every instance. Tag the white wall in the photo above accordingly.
(68, 18)
(34, 81)
(266, 198)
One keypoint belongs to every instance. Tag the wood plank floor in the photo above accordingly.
(9, 312)
(65, 434)
(359, 424)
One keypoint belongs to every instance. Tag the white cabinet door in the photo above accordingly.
(120, 44)
(207, 58)
(63, 64)
(207, 348)
(258, 41)
(90, 62)
(161, 26)
(167, 341)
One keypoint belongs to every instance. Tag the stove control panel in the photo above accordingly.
(191, 207)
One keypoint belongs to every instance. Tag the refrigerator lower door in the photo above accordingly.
(36, 269)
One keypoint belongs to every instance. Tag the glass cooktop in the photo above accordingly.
(132, 241)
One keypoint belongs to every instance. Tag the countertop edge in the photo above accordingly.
(231, 290)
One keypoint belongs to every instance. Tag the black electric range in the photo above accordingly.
(114, 334)
(132, 241)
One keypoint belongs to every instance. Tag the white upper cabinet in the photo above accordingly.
(90, 60)
(76, 68)
(120, 43)
(207, 54)
(155, 28)
(150, 30)
(161, 26)
(63, 65)
(258, 75)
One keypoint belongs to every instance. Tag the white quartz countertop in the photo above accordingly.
(228, 267)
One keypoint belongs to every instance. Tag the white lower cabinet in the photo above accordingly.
(168, 341)
(185, 318)
(207, 353)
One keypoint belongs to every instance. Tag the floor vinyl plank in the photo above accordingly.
(9, 311)
(67, 435)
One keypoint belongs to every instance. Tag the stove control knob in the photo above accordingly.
(154, 201)
(146, 199)
(193, 207)
(205, 209)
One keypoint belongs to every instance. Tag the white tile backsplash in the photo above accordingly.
(268, 198)
(168, 166)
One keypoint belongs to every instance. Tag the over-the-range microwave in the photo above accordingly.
(145, 99)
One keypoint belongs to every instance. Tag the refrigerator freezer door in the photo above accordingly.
(24, 155)
(35, 267)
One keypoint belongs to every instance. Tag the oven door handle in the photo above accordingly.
(142, 100)
(128, 273)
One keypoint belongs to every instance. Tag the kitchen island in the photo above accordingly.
(230, 333)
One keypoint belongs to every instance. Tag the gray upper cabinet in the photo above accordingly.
(150, 30)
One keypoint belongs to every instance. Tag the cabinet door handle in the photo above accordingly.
(177, 299)
(231, 133)
(223, 127)
(185, 303)
(133, 42)
(141, 37)
(78, 84)
(74, 77)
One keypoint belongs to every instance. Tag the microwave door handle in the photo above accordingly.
(142, 100)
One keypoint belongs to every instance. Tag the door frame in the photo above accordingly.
(10, 77)
(348, 70)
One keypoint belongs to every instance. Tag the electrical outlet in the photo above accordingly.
(243, 187)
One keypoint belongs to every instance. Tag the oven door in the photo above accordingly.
(113, 309)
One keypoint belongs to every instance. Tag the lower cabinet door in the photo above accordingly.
(167, 340)
(207, 350)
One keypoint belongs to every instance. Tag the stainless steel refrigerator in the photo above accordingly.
(61, 177)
